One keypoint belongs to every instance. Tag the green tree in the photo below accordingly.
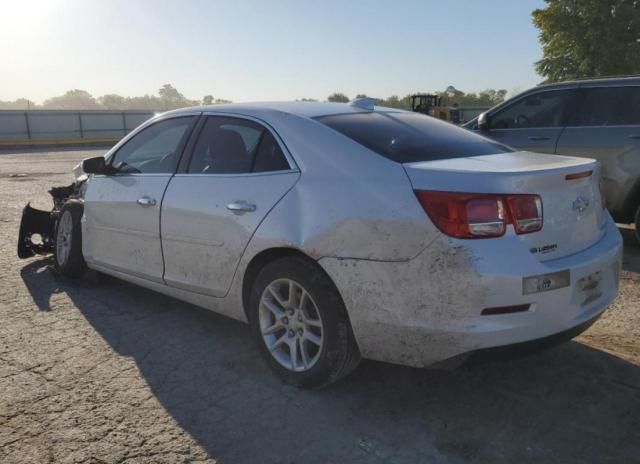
(146, 102)
(207, 100)
(392, 102)
(488, 97)
(112, 102)
(19, 104)
(588, 38)
(171, 98)
(338, 97)
(72, 100)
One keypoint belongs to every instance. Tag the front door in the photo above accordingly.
(532, 123)
(236, 175)
(121, 224)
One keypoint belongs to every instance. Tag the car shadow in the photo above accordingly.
(569, 404)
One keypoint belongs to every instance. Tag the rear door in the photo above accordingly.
(237, 172)
(121, 223)
(533, 122)
(607, 128)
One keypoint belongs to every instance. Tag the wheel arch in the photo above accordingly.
(264, 257)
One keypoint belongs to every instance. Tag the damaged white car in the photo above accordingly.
(341, 231)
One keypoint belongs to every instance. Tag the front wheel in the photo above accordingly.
(300, 323)
(68, 241)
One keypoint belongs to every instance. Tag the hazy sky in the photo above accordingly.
(246, 50)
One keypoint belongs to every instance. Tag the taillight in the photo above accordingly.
(480, 215)
(526, 212)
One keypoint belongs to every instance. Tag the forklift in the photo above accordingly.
(432, 105)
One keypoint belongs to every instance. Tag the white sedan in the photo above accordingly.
(341, 231)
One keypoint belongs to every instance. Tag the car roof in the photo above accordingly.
(612, 80)
(299, 108)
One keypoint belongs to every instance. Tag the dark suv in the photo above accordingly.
(595, 118)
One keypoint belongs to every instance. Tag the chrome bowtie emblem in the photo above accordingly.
(580, 204)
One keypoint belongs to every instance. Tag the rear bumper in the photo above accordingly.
(522, 349)
(428, 310)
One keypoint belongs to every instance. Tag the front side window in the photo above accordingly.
(542, 109)
(235, 146)
(409, 137)
(155, 149)
(609, 106)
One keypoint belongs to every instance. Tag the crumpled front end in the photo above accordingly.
(37, 227)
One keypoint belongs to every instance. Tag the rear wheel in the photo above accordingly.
(300, 323)
(68, 241)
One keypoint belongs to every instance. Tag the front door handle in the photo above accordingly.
(146, 202)
(241, 206)
(538, 138)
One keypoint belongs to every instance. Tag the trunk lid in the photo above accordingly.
(572, 212)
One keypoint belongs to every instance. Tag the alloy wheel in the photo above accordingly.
(291, 325)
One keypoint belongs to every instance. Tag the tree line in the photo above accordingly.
(169, 98)
(450, 97)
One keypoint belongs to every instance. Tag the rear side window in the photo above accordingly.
(411, 137)
(609, 106)
(542, 109)
(235, 146)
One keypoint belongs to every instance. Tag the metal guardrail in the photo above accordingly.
(56, 127)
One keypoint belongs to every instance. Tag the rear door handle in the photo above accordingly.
(241, 206)
(537, 138)
(146, 202)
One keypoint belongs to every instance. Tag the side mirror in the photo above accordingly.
(483, 122)
(94, 165)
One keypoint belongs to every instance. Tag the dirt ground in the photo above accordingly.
(101, 371)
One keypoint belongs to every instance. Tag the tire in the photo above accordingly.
(67, 250)
(315, 326)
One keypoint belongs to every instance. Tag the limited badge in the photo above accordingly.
(544, 249)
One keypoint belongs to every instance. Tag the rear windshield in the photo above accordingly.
(410, 137)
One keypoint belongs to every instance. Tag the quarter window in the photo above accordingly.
(269, 157)
(155, 149)
(235, 146)
(609, 106)
(542, 109)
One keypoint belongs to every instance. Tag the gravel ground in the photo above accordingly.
(101, 371)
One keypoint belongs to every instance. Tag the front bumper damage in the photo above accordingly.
(37, 227)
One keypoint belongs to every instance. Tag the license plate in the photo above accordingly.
(546, 282)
